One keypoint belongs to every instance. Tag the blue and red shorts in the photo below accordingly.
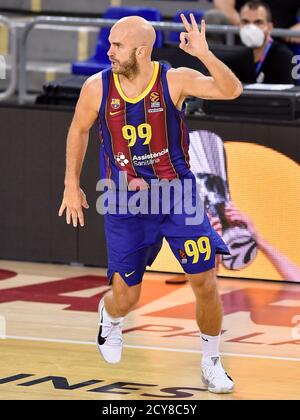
(134, 240)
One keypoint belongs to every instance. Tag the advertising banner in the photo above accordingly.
(251, 193)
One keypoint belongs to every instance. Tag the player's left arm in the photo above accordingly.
(222, 82)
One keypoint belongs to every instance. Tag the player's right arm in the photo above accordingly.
(85, 115)
(229, 10)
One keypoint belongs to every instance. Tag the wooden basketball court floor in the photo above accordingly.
(48, 325)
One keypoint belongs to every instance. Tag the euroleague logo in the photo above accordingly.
(155, 102)
(154, 98)
(183, 256)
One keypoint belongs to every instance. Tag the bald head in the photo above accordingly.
(131, 43)
(138, 31)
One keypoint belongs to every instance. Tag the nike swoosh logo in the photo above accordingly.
(101, 340)
(129, 274)
(114, 113)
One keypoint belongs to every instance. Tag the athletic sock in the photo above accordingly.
(210, 346)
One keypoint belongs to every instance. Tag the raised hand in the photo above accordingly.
(193, 41)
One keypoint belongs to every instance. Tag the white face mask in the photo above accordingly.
(252, 36)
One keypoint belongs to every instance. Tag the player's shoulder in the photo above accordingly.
(179, 74)
(93, 84)
(91, 92)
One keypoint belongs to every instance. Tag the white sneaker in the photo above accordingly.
(109, 339)
(215, 377)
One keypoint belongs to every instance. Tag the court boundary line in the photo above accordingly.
(129, 346)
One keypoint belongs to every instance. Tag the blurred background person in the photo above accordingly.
(215, 17)
(285, 13)
(272, 58)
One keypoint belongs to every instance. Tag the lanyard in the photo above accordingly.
(264, 55)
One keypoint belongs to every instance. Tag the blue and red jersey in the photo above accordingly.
(145, 137)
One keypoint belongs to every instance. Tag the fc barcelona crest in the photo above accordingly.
(115, 103)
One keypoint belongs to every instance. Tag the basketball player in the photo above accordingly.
(139, 106)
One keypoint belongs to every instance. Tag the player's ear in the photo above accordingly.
(141, 51)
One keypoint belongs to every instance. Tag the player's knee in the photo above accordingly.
(126, 298)
(123, 309)
(203, 284)
(125, 303)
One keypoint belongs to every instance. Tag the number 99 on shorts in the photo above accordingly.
(198, 248)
